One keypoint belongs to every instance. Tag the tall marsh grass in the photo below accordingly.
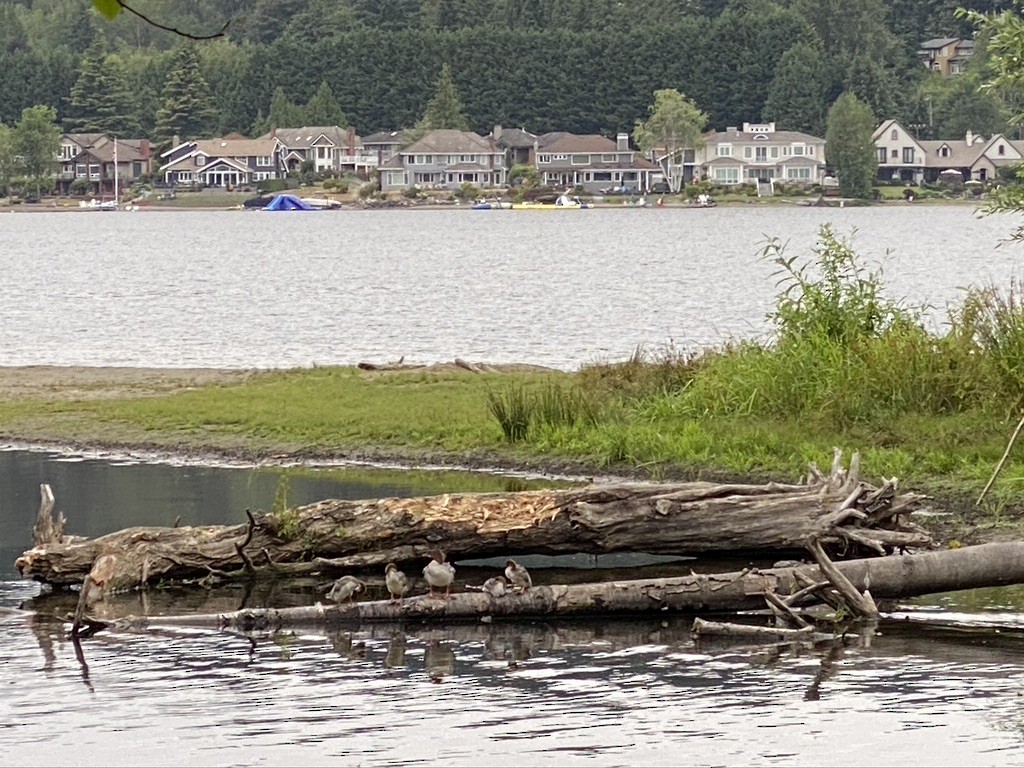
(554, 405)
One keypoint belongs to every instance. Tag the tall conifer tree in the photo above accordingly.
(185, 110)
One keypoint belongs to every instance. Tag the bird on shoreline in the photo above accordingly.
(439, 573)
(518, 576)
(344, 588)
(496, 586)
(396, 582)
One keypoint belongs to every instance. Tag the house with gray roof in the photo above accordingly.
(593, 162)
(94, 156)
(445, 159)
(946, 55)
(230, 161)
(903, 157)
(758, 153)
(332, 149)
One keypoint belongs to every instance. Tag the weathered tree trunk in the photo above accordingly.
(679, 519)
(896, 576)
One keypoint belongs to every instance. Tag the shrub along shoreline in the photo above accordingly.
(847, 367)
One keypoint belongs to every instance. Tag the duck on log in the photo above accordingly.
(840, 511)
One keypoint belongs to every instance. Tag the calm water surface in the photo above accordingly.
(941, 684)
(249, 289)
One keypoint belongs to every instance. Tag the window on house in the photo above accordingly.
(798, 174)
(894, 154)
(543, 158)
(580, 159)
(723, 150)
(727, 175)
(607, 158)
(262, 161)
(880, 151)
(774, 151)
(761, 155)
(908, 154)
(748, 152)
(1001, 150)
(810, 150)
(894, 135)
(200, 160)
(943, 151)
(81, 169)
(424, 159)
(798, 149)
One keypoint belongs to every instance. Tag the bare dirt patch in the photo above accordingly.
(94, 383)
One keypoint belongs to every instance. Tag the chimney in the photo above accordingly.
(969, 137)
(350, 136)
(273, 131)
(144, 149)
(622, 142)
(176, 141)
(496, 133)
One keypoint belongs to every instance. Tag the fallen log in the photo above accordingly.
(839, 511)
(892, 577)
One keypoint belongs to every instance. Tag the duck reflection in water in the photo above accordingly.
(395, 656)
(438, 660)
(345, 645)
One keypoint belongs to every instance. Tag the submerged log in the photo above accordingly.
(841, 512)
(893, 577)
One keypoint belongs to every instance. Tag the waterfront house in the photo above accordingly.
(905, 158)
(595, 163)
(332, 149)
(758, 153)
(91, 156)
(518, 145)
(445, 159)
(384, 145)
(231, 161)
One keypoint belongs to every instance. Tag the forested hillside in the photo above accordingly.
(577, 65)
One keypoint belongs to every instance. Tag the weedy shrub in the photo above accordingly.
(993, 321)
(513, 409)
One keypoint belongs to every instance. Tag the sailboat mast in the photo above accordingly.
(116, 198)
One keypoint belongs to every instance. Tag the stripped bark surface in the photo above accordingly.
(838, 510)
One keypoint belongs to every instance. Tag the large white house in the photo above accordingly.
(760, 153)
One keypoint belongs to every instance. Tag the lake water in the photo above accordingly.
(243, 289)
(941, 683)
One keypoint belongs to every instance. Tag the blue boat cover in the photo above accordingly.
(288, 203)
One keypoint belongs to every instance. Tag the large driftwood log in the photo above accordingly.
(893, 577)
(839, 511)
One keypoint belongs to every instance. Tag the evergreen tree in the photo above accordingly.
(185, 110)
(115, 111)
(36, 142)
(444, 110)
(849, 148)
(283, 113)
(323, 109)
(796, 96)
(88, 93)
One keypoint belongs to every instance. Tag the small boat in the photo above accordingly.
(565, 202)
(495, 205)
(703, 201)
(321, 203)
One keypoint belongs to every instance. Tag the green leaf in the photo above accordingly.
(109, 8)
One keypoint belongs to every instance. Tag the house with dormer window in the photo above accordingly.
(445, 159)
(904, 158)
(758, 152)
(946, 55)
(226, 162)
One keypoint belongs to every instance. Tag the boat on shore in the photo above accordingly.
(565, 202)
(492, 205)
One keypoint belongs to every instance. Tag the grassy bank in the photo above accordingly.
(847, 367)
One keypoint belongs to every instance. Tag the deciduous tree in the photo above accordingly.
(36, 143)
(675, 124)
